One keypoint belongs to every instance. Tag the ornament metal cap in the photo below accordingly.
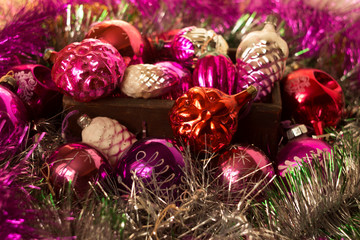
(252, 90)
(271, 19)
(296, 131)
(9, 79)
(84, 121)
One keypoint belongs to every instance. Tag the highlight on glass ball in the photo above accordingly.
(88, 70)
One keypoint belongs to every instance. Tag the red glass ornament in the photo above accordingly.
(123, 36)
(313, 97)
(206, 118)
(215, 70)
(77, 163)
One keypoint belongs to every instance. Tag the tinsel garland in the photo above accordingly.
(318, 201)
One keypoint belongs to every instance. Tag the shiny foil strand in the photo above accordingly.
(320, 197)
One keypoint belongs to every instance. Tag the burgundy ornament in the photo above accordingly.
(215, 70)
(34, 86)
(123, 36)
(300, 148)
(314, 98)
(184, 75)
(241, 167)
(152, 160)
(206, 118)
(13, 122)
(88, 70)
(77, 163)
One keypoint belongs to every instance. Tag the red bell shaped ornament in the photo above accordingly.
(314, 98)
(206, 118)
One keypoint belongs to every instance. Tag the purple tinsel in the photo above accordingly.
(16, 218)
(24, 39)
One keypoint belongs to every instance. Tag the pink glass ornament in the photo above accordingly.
(148, 81)
(261, 59)
(314, 98)
(298, 149)
(242, 167)
(13, 122)
(107, 135)
(88, 70)
(214, 70)
(191, 42)
(36, 89)
(77, 163)
(156, 161)
(206, 118)
(123, 36)
(185, 81)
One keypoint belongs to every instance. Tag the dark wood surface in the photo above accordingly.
(260, 127)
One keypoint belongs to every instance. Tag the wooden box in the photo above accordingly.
(259, 127)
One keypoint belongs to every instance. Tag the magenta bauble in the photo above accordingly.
(155, 161)
(215, 70)
(13, 122)
(299, 150)
(88, 70)
(242, 167)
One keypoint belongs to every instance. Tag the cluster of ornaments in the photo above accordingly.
(209, 92)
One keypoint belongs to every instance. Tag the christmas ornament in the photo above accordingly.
(123, 36)
(261, 59)
(33, 84)
(184, 79)
(75, 163)
(215, 70)
(148, 81)
(156, 161)
(191, 42)
(243, 166)
(88, 70)
(13, 121)
(300, 148)
(206, 118)
(313, 97)
(107, 135)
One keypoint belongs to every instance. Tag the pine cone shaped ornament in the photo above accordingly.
(107, 135)
(191, 42)
(261, 59)
(148, 81)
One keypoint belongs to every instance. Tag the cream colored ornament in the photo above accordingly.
(148, 81)
(107, 135)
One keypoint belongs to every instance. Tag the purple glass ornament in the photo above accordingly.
(88, 70)
(243, 166)
(298, 150)
(37, 90)
(215, 71)
(13, 121)
(77, 163)
(151, 160)
(184, 79)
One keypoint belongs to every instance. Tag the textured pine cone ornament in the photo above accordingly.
(191, 42)
(261, 59)
(107, 135)
(148, 81)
